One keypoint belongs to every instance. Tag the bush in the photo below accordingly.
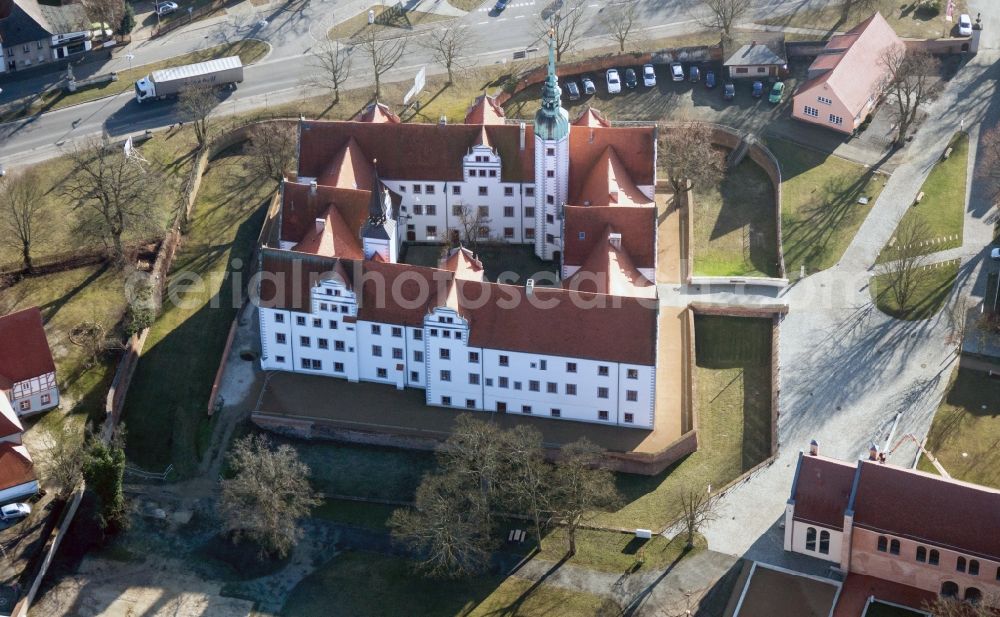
(929, 8)
(139, 318)
(128, 20)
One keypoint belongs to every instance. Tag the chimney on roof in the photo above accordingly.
(521, 132)
(813, 448)
(529, 288)
(615, 239)
(320, 225)
(313, 186)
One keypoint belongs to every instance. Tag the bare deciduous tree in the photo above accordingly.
(723, 15)
(910, 79)
(988, 168)
(22, 213)
(446, 526)
(472, 222)
(953, 607)
(562, 24)
(383, 55)
(268, 494)
(527, 476)
(113, 191)
(697, 508)
(196, 104)
(858, 6)
(686, 156)
(65, 453)
(109, 12)
(332, 64)
(270, 149)
(905, 271)
(620, 20)
(580, 487)
(448, 45)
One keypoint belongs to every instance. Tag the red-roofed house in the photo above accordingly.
(909, 534)
(845, 82)
(17, 476)
(27, 371)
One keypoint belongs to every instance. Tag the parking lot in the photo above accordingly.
(683, 100)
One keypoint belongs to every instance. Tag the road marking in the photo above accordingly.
(520, 16)
(483, 23)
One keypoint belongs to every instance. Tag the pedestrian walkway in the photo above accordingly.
(789, 29)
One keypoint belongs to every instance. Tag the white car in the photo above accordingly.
(614, 82)
(13, 511)
(166, 8)
(964, 25)
(648, 76)
(676, 71)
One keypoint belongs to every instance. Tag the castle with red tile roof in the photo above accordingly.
(336, 301)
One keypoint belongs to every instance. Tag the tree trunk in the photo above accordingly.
(451, 79)
(572, 540)
(26, 253)
(378, 84)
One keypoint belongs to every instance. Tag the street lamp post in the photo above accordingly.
(130, 57)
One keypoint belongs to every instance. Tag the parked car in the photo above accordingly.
(777, 91)
(588, 85)
(648, 76)
(964, 25)
(614, 81)
(631, 81)
(676, 71)
(729, 91)
(572, 90)
(694, 74)
(995, 254)
(709, 79)
(13, 511)
(758, 89)
(165, 8)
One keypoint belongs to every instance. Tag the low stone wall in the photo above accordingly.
(939, 47)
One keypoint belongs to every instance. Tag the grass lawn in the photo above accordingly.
(931, 291)
(385, 23)
(170, 155)
(733, 403)
(943, 207)
(900, 15)
(610, 551)
(516, 596)
(466, 5)
(165, 409)
(734, 226)
(820, 212)
(357, 513)
(249, 50)
(968, 422)
(66, 299)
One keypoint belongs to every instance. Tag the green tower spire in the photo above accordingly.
(551, 120)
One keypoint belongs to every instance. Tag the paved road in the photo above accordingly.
(293, 30)
(847, 370)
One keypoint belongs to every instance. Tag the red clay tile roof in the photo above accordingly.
(10, 424)
(928, 508)
(858, 588)
(349, 169)
(822, 490)
(335, 239)
(16, 467)
(637, 226)
(464, 264)
(24, 350)
(609, 270)
(378, 113)
(635, 148)
(300, 208)
(777, 593)
(412, 151)
(609, 184)
(485, 111)
(590, 118)
(856, 72)
(619, 329)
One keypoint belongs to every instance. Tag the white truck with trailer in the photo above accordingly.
(171, 82)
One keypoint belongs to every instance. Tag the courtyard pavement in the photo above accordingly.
(851, 376)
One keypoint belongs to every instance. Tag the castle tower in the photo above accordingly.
(551, 164)
(378, 236)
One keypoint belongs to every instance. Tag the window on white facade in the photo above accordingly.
(824, 542)
(470, 403)
(508, 233)
(431, 209)
(456, 190)
(550, 152)
(456, 210)
(446, 333)
(416, 189)
(533, 385)
(602, 371)
(376, 329)
(529, 191)
(418, 335)
(504, 361)
(304, 341)
(508, 211)
(484, 191)
(338, 345)
(810, 111)
(418, 356)
(571, 367)
(323, 343)
(446, 400)
(377, 351)
(431, 230)
(555, 413)
(397, 353)
(484, 211)
(503, 382)
(444, 354)
(526, 409)
(603, 415)
(429, 189)
(550, 199)
(552, 387)
(332, 323)
(414, 376)
(338, 367)
(550, 173)
(543, 364)
(46, 399)
(529, 233)
(473, 357)
(279, 338)
(317, 323)
(811, 539)
(508, 191)
(24, 405)
(629, 418)
(631, 395)
(279, 359)
(434, 332)
(633, 373)
(397, 332)
(300, 320)
(602, 393)
(474, 379)
(279, 318)
(445, 375)
(571, 389)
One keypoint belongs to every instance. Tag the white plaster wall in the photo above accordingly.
(643, 385)
(798, 543)
(557, 186)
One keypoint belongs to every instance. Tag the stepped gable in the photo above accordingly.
(586, 229)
